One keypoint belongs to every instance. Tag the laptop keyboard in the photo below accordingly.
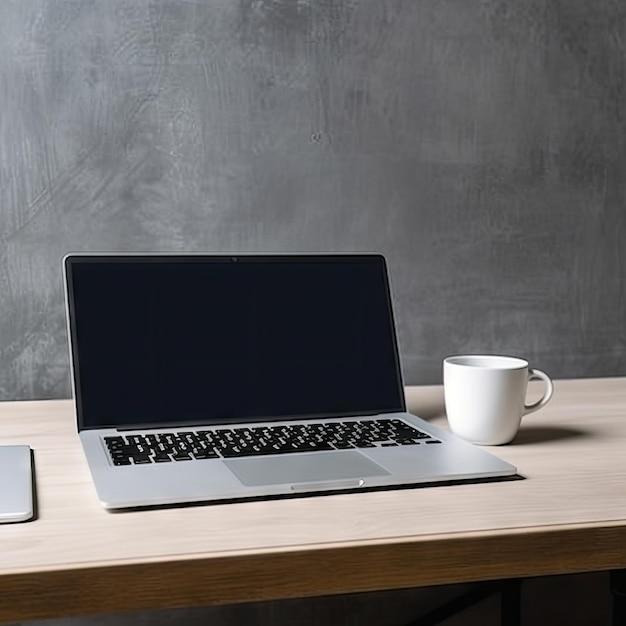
(262, 440)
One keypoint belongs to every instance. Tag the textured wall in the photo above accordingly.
(479, 145)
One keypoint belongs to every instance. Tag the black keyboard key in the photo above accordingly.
(181, 456)
(342, 445)
(205, 454)
(141, 459)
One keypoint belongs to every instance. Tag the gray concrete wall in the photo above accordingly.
(479, 145)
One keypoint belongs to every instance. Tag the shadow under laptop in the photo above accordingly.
(34, 488)
(315, 494)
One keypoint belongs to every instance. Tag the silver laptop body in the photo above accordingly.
(16, 484)
(206, 377)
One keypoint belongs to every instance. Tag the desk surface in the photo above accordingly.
(568, 515)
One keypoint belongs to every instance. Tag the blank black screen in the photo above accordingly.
(166, 340)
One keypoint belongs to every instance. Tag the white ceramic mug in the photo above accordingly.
(485, 396)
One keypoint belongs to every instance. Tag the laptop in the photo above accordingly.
(211, 377)
(16, 484)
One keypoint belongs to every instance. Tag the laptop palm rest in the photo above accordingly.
(304, 468)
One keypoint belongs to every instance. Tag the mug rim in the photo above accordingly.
(486, 361)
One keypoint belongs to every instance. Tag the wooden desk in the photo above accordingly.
(569, 515)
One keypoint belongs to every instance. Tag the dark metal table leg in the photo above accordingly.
(468, 599)
(510, 593)
(511, 603)
(618, 590)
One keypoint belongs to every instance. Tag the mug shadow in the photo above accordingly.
(544, 434)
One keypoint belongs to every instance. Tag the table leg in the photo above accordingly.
(618, 590)
(511, 603)
(510, 591)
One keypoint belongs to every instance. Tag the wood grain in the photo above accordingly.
(567, 515)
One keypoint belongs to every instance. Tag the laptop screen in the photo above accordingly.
(164, 340)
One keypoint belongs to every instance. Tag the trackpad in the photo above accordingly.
(304, 468)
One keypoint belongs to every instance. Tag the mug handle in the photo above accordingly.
(539, 375)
